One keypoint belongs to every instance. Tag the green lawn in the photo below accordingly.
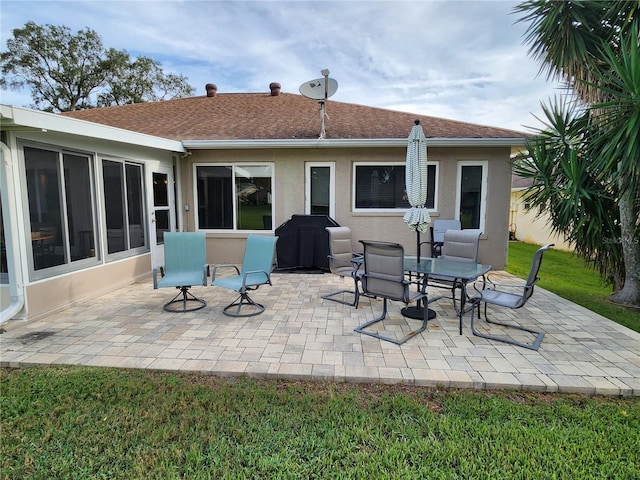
(566, 275)
(86, 423)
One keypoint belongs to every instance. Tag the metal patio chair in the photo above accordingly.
(515, 297)
(438, 229)
(384, 277)
(343, 261)
(460, 246)
(184, 265)
(259, 257)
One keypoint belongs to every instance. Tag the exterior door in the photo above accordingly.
(471, 198)
(320, 189)
(162, 212)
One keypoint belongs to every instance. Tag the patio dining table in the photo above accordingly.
(460, 272)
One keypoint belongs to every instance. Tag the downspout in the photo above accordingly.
(12, 242)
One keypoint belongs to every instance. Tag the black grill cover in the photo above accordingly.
(303, 242)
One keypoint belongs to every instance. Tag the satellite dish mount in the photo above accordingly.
(320, 89)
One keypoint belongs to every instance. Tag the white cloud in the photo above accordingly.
(460, 60)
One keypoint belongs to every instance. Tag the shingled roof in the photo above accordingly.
(261, 116)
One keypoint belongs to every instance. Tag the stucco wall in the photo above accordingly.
(289, 194)
(531, 226)
(57, 293)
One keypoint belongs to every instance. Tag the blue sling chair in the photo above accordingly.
(259, 257)
(184, 265)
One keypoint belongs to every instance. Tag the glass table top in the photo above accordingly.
(445, 268)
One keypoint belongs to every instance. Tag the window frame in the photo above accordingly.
(234, 166)
(332, 186)
(398, 211)
(69, 265)
(127, 252)
(484, 185)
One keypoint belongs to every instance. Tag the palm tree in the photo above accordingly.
(587, 158)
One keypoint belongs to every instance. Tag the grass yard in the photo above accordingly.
(86, 423)
(566, 275)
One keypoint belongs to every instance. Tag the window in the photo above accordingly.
(124, 205)
(320, 189)
(381, 186)
(472, 193)
(61, 207)
(234, 197)
(161, 205)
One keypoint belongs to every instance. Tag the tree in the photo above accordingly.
(70, 72)
(62, 69)
(585, 162)
(140, 80)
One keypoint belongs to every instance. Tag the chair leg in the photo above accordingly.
(532, 346)
(246, 302)
(353, 303)
(184, 297)
(355, 293)
(361, 328)
(453, 297)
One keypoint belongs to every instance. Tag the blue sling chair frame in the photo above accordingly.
(259, 258)
(184, 265)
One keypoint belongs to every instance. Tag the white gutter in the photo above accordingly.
(348, 143)
(44, 121)
(11, 219)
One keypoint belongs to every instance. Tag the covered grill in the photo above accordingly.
(303, 242)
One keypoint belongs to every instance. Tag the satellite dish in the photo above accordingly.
(315, 89)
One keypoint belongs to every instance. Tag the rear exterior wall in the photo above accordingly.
(289, 195)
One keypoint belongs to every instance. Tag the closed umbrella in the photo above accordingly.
(417, 217)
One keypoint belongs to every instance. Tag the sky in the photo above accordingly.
(461, 60)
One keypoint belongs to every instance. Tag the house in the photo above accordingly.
(86, 195)
(531, 226)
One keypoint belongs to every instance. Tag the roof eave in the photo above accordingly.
(18, 117)
(347, 143)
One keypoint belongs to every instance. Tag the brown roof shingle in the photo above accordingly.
(258, 116)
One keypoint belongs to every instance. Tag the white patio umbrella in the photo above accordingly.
(417, 217)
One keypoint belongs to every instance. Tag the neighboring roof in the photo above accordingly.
(26, 118)
(520, 183)
(261, 116)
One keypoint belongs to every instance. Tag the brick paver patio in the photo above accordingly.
(302, 336)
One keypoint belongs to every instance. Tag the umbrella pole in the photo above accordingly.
(417, 311)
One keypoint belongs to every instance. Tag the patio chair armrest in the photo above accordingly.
(206, 271)
(251, 272)
(488, 284)
(224, 265)
(432, 245)
(418, 282)
(357, 260)
(155, 277)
